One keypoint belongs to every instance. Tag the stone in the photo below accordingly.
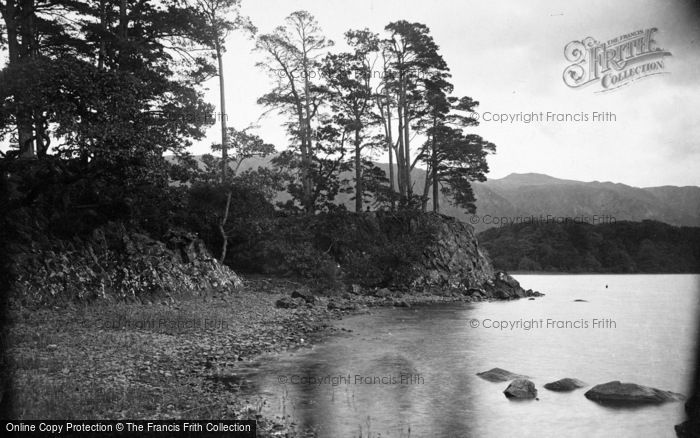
(383, 293)
(304, 294)
(286, 303)
(618, 393)
(499, 375)
(521, 389)
(565, 384)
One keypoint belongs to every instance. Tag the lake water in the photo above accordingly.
(644, 333)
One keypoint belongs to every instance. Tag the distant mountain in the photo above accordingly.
(521, 196)
(531, 194)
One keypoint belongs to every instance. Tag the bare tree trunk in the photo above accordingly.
(436, 179)
(407, 152)
(359, 184)
(390, 143)
(222, 228)
(20, 42)
(400, 162)
(426, 190)
(222, 100)
(122, 20)
(103, 27)
(307, 183)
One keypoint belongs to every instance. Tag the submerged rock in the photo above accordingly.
(499, 375)
(521, 389)
(566, 384)
(630, 394)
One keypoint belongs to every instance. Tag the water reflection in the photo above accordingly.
(438, 345)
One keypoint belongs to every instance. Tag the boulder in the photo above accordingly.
(383, 293)
(499, 375)
(521, 389)
(287, 303)
(356, 289)
(617, 393)
(304, 294)
(563, 385)
(344, 305)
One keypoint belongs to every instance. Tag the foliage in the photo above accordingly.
(378, 249)
(621, 247)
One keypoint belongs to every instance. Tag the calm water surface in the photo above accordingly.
(644, 334)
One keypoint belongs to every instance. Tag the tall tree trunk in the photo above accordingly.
(222, 100)
(390, 143)
(103, 28)
(123, 25)
(400, 162)
(18, 18)
(436, 178)
(426, 190)
(407, 152)
(359, 184)
(307, 183)
(222, 228)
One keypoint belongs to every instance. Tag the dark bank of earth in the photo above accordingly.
(120, 325)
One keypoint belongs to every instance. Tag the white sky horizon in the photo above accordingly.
(509, 56)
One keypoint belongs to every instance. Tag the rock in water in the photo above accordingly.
(521, 389)
(566, 384)
(499, 375)
(630, 394)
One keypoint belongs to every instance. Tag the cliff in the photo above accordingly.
(116, 264)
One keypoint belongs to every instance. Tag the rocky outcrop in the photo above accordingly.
(453, 259)
(564, 385)
(115, 263)
(521, 389)
(499, 375)
(617, 393)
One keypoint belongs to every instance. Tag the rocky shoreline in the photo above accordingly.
(178, 358)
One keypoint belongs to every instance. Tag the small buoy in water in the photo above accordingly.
(606, 286)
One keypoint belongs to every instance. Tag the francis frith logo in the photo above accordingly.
(614, 63)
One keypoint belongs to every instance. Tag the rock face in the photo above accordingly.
(499, 375)
(521, 389)
(563, 385)
(115, 263)
(454, 259)
(617, 393)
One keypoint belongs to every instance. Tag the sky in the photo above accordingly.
(509, 56)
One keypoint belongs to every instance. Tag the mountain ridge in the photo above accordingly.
(531, 194)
